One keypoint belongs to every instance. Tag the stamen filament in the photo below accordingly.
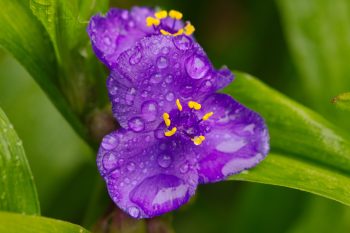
(171, 132)
(195, 105)
(178, 104)
(207, 116)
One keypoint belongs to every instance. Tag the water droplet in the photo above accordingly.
(107, 41)
(120, 162)
(162, 62)
(136, 57)
(148, 138)
(145, 170)
(113, 90)
(197, 67)
(130, 166)
(19, 143)
(136, 124)
(127, 180)
(169, 96)
(182, 42)
(164, 160)
(109, 142)
(130, 96)
(169, 79)
(149, 110)
(156, 78)
(165, 50)
(184, 168)
(109, 161)
(134, 211)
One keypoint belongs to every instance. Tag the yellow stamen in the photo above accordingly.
(171, 132)
(198, 140)
(165, 33)
(194, 105)
(189, 29)
(175, 14)
(179, 32)
(161, 14)
(150, 21)
(178, 104)
(207, 115)
(166, 119)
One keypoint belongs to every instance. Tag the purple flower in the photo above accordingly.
(176, 131)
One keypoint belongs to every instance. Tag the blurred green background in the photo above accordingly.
(244, 35)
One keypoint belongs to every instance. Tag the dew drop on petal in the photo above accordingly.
(156, 78)
(134, 211)
(164, 160)
(136, 124)
(136, 57)
(169, 79)
(109, 142)
(196, 67)
(130, 166)
(169, 96)
(184, 168)
(149, 110)
(130, 96)
(182, 42)
(162, 62)
(109, 161)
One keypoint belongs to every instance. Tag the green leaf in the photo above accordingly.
(309, 153)
(14, 223)
(17, 188)
(342, 101)
(30, 44)
(318, 36)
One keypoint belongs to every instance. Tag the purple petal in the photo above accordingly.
(118, 31)
(148, 78)
(238, 139)
(146, 177)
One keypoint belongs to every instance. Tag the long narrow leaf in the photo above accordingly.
(308, 152)
(15, 223)
(17, 188)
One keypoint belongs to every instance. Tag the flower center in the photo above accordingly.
(185, 122)
(166, 23)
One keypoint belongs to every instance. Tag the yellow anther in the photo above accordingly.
(171, 132)
(150, 21)
(207, 115)
(194, 105)
(166, 119)
(165, 33)
(175, 14)
(178, 104)
(161, 14)
(198, 140)
(189, 29)
(179, 32)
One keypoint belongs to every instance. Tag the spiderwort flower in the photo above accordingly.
(176, 131)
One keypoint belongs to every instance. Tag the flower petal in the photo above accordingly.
(146, 177)
(148, 78)
(238, 139)
(118, 31)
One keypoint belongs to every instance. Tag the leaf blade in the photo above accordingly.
(308, 152)
(14, 223)
(17, 188)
